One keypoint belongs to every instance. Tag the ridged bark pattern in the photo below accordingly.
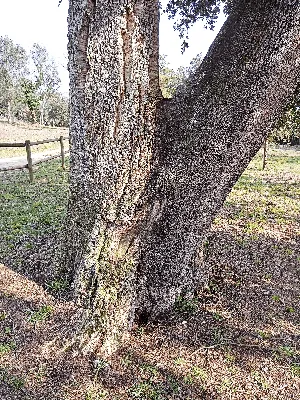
(148, 175)
(113, 50)
(208, 133)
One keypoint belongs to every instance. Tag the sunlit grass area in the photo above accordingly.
(266, 197)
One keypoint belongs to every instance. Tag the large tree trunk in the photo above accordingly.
(148, 175)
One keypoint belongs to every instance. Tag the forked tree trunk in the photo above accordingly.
(148, 175)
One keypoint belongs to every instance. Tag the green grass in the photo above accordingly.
(257, 199)
(7, 347)
(31, 210)
(188, 306)
(147, 390)
(40, 315)
(16, 382)
(270, 196)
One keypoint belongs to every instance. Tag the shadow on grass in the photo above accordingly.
(35, 334)
(241, 341)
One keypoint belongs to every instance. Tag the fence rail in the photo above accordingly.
(12, 145)
(30, 163)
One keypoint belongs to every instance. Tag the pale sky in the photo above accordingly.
(41, 21)
(199, 41)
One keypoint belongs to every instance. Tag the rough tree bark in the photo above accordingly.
(148, 175)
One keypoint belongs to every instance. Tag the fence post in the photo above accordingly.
(29, 159)
(264, 154)
(62, 152)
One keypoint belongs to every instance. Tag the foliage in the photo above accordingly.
(30, 99)
(188, 12)
(57, 110)
(170, 79)
(46, 76)
(13, 67)
(288, 129)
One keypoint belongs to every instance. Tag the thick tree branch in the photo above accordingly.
(208, 134)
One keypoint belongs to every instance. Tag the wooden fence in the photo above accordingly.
(27, 144)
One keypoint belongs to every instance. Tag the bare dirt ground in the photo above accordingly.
(238, 339)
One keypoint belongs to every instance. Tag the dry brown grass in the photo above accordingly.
(20, 132)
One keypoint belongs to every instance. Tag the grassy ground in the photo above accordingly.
(31, 214)
(239, 339)
(20, 132)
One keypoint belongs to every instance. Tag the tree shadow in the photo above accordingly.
(239, 338)
(241, 341)
(36, 332)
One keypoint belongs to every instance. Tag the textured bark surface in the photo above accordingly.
(113, 50)
(207, 136)
(148, 175)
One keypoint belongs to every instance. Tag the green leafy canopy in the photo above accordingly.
(187, 12)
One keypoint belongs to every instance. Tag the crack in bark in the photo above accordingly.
(83, 40)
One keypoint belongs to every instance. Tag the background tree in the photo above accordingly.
(30, 100)
(148, 176)
(170, 80)
(57, 110)
(13, 67)
(288, 129)
(46, 75)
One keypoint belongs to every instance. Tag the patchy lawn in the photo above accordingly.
(238, 339)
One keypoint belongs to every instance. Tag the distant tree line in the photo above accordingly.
(29, 86)
(288, 130)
